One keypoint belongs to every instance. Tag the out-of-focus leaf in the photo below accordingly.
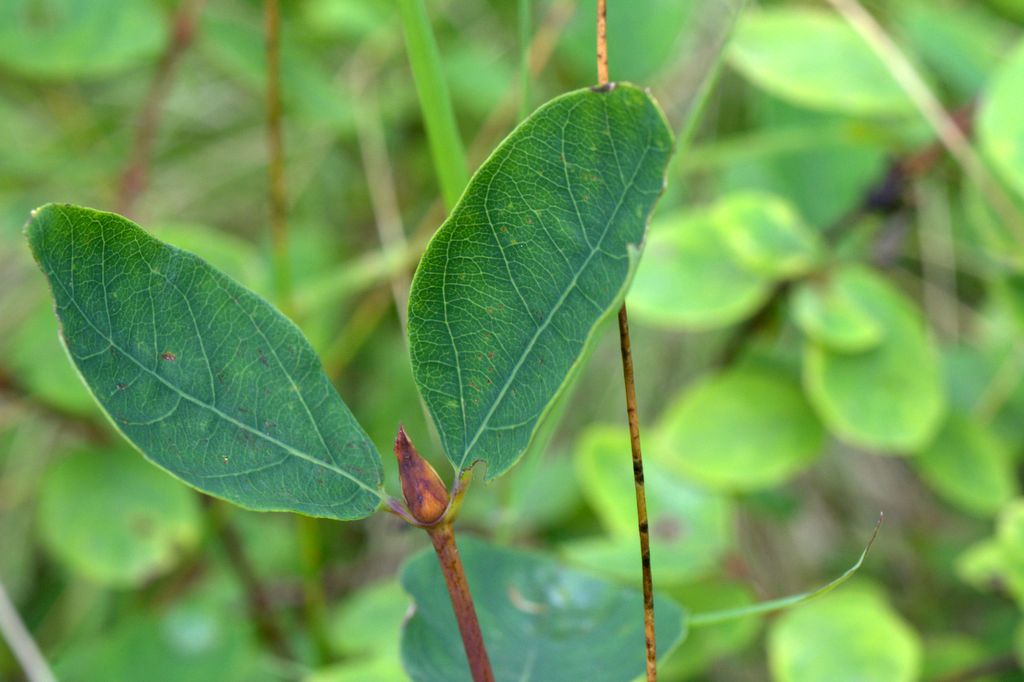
(851, 636)
(690, 527)
(369, 621)
(540, 621)
(888, 398)
(744, 429)
(814, 59)
(828, 312)
(969, 466)
(690, 279)
(1000, 125)
(707, 644)
(207, 379)
(512, 287)
(959, 41)
(64, 39)
(199, 639)
(983, 565)
(372, 670)
(766, 235)
(115, 519)
(846, 154)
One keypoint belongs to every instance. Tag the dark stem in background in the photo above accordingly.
(308, 528)
(135, 177)
(650, 645)
(430, 507)
(256, 597)
(275, 152)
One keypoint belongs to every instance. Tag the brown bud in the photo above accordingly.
(424, 492)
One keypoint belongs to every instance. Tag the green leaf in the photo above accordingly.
(745, 429)
(766, 235)
(201, 638)
(369, 670)
(691, 528)
(538, 251)
(708, 644)
(205, 378)
(690, 279)
(114, 519)
(852, 636)
(889, 398)
(828, 313)
(540, 621)
(814, 59)
(65, 39)
(1000, 126)
(960, 46)
(969, 466)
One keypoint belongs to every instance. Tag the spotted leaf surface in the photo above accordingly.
(203, 376)
(538, 251)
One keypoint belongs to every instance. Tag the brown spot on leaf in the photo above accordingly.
(168, 356)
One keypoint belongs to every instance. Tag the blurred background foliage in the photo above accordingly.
(827, 323)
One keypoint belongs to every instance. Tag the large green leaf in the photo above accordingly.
(1000, 125)
(207, 379)
(78, 38)
(538, 251)
(888, 398)
(690, 278)
(540, 621)
(745, 429)
(815, 59)
(114, 519)
(852, 636)
(969, 466)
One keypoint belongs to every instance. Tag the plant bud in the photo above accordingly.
(425, 493)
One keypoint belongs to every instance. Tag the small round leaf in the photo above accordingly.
(744, 429)
(766, 235)
(852, 636)
(889, 398)
(815, 59)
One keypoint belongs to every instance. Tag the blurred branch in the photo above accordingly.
(135, 176)
(256, 597)
(20, 641)
(275, 152)
(945, 126)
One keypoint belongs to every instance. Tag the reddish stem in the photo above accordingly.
(443, 538)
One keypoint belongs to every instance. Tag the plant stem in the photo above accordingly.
(275, 151)
(135, 176)
(641, 496)
(632, 415)
(20, 641)
(435, 103)
(259, 604)
(314, 597)
(443, 537)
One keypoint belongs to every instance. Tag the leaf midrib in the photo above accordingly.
(212, 408)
